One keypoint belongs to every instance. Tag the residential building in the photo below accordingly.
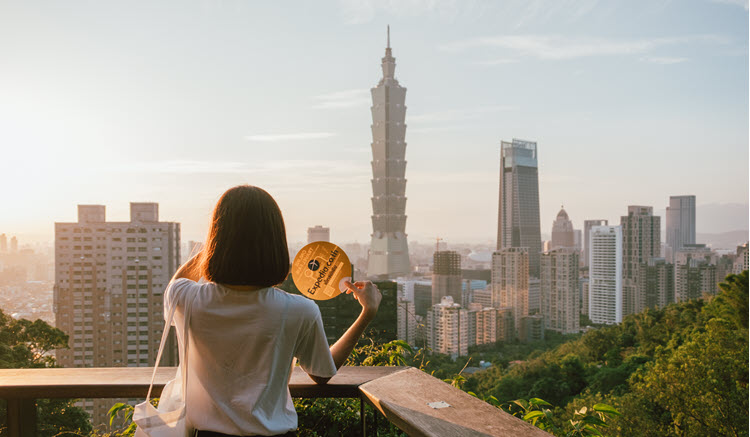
(641, 241)
(518, 210)
(741, 261)
(510, 282)
(407, 321)
(3, 243)
(318, 233)
(532, 328)
(447, 328)
(657, 283)
(694, 272)
(109, 283)
(446, 276)
(389, 250)
(605, 274)
(560, 291)
(587, 225)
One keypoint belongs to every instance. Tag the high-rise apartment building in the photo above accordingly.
(13, 244)
(641, 241)
(417, 291)
(605, 274)
(389, 251)
(448, 328)
(583, 284)
(657, 283)
(482, 297)
(587, 225)
(741, 261)
(406, 318)
(518, 209)
(563, 234)
(510, 282)
(109, 283)
(446, 276)
(560, 291)
(694, 272)
(318, 233)
(3, 243)
(680, 223)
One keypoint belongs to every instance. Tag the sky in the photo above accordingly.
(629, 101)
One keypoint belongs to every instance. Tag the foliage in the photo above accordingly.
(27, 344)
(679, 370)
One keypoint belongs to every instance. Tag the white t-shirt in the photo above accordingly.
(242, 345)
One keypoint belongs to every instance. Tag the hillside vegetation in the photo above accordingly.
(681, 370)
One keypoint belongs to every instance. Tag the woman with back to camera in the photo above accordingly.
(244, 333)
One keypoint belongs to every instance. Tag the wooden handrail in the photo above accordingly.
(416, 402)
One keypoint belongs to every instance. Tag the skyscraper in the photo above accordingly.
(109, 283)
(560, 291)
(389, 251)
(13, 244)
(680, 223)
(518, 208)
(641, 241)
(587, 225)
(446, 276)
(318, 233)
(3, 243)
(605, 274)
(563, 234)
(510, 282)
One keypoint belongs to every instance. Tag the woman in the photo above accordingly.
(244, 333)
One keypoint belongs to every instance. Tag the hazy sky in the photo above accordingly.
(175, 101)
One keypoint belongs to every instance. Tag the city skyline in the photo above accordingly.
(122, 117)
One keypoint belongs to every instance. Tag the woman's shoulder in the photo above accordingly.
(298, 303)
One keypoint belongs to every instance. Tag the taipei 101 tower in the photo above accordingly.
(389, 250)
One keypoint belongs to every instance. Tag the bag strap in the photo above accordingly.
(164, 334)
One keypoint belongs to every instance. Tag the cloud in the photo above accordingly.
(273, 138)
(456, 114)
(362, 11)
(557, 47)
(501, 61)
(189, 167)
(663, 60)
(740, 3)
(343, 99)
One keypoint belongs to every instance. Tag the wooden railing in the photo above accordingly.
(414, 401)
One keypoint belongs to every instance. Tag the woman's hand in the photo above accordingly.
(367, 294)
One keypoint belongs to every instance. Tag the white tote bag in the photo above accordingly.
(168, 419)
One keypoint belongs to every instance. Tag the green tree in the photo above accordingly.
(27, 344)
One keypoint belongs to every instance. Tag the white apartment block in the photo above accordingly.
(560, 290)
(448, 328)
(109, 283)
(605, 274)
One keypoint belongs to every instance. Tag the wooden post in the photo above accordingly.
(21, 417)
(362, 421)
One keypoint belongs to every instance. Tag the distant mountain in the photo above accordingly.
(718, 218)
(725, 240)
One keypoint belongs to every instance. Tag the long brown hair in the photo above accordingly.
(246, 243)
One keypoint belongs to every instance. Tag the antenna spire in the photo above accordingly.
(389, 36)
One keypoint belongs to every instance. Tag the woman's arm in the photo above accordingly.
(190, 270)
(369, 297)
